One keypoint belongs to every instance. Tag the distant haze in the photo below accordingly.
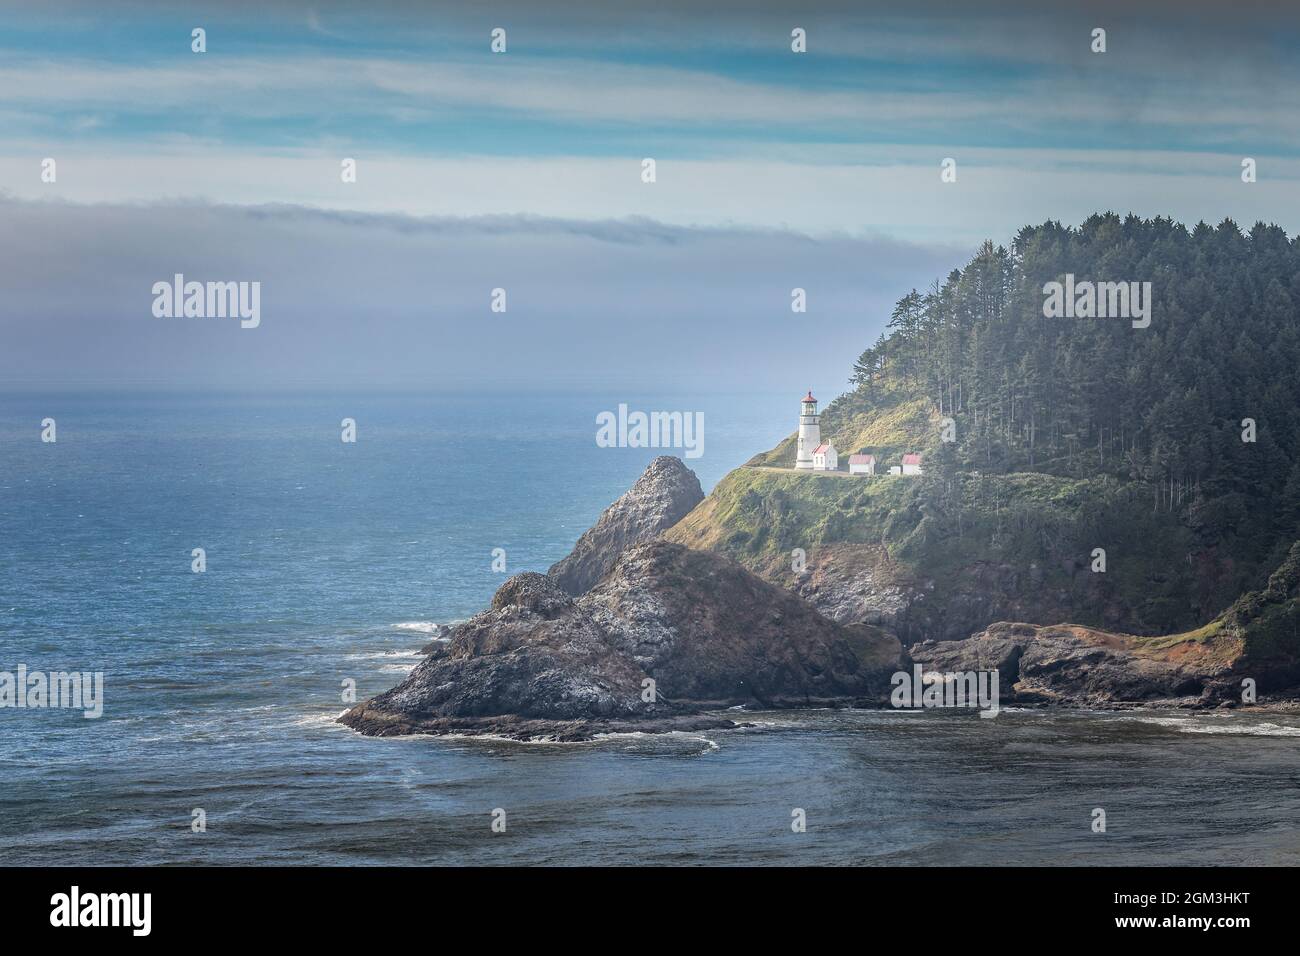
(366, 300)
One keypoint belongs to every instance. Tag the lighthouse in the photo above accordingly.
(810, 432)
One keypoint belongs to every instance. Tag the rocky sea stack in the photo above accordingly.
(669, 634)
(665, 493)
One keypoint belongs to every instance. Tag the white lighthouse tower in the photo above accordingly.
(810, 432)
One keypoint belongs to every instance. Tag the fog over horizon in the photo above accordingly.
(353, 299)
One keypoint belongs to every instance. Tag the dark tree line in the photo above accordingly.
(1086, 397)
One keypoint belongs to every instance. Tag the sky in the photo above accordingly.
(522, 170)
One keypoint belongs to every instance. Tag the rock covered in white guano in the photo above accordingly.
(665, 493)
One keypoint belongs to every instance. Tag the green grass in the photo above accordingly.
(887, 427)
(1201, 635)
(754, 512)
(1033, 531)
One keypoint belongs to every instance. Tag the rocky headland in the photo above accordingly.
(635, 632)
(668, 638)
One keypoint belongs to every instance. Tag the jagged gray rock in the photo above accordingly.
(664, 494)
(709, 633)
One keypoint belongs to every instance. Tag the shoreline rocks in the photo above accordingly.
(1080, 666)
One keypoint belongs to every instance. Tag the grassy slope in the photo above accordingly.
(758, 515)
(1039, 529)
(1035, 531)
(756, 512)
(897, 422)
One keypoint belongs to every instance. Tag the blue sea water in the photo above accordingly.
(329, 562)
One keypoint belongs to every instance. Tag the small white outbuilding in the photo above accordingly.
(862, 464)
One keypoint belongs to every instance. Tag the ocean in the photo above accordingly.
(331, 562)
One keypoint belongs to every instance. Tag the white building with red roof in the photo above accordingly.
(912, 463)
(826, 458)
(862, 464)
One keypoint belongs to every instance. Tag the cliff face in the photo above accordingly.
(704, 630)
(664, 493)
(1016, 547)
(1257, 638)
(1268, 624)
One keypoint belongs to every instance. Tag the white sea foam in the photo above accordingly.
(502, 739)
(383, 655)
(319, 720)
(423, 627)
(1203, 725)
(641, 734)
(549, 740)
